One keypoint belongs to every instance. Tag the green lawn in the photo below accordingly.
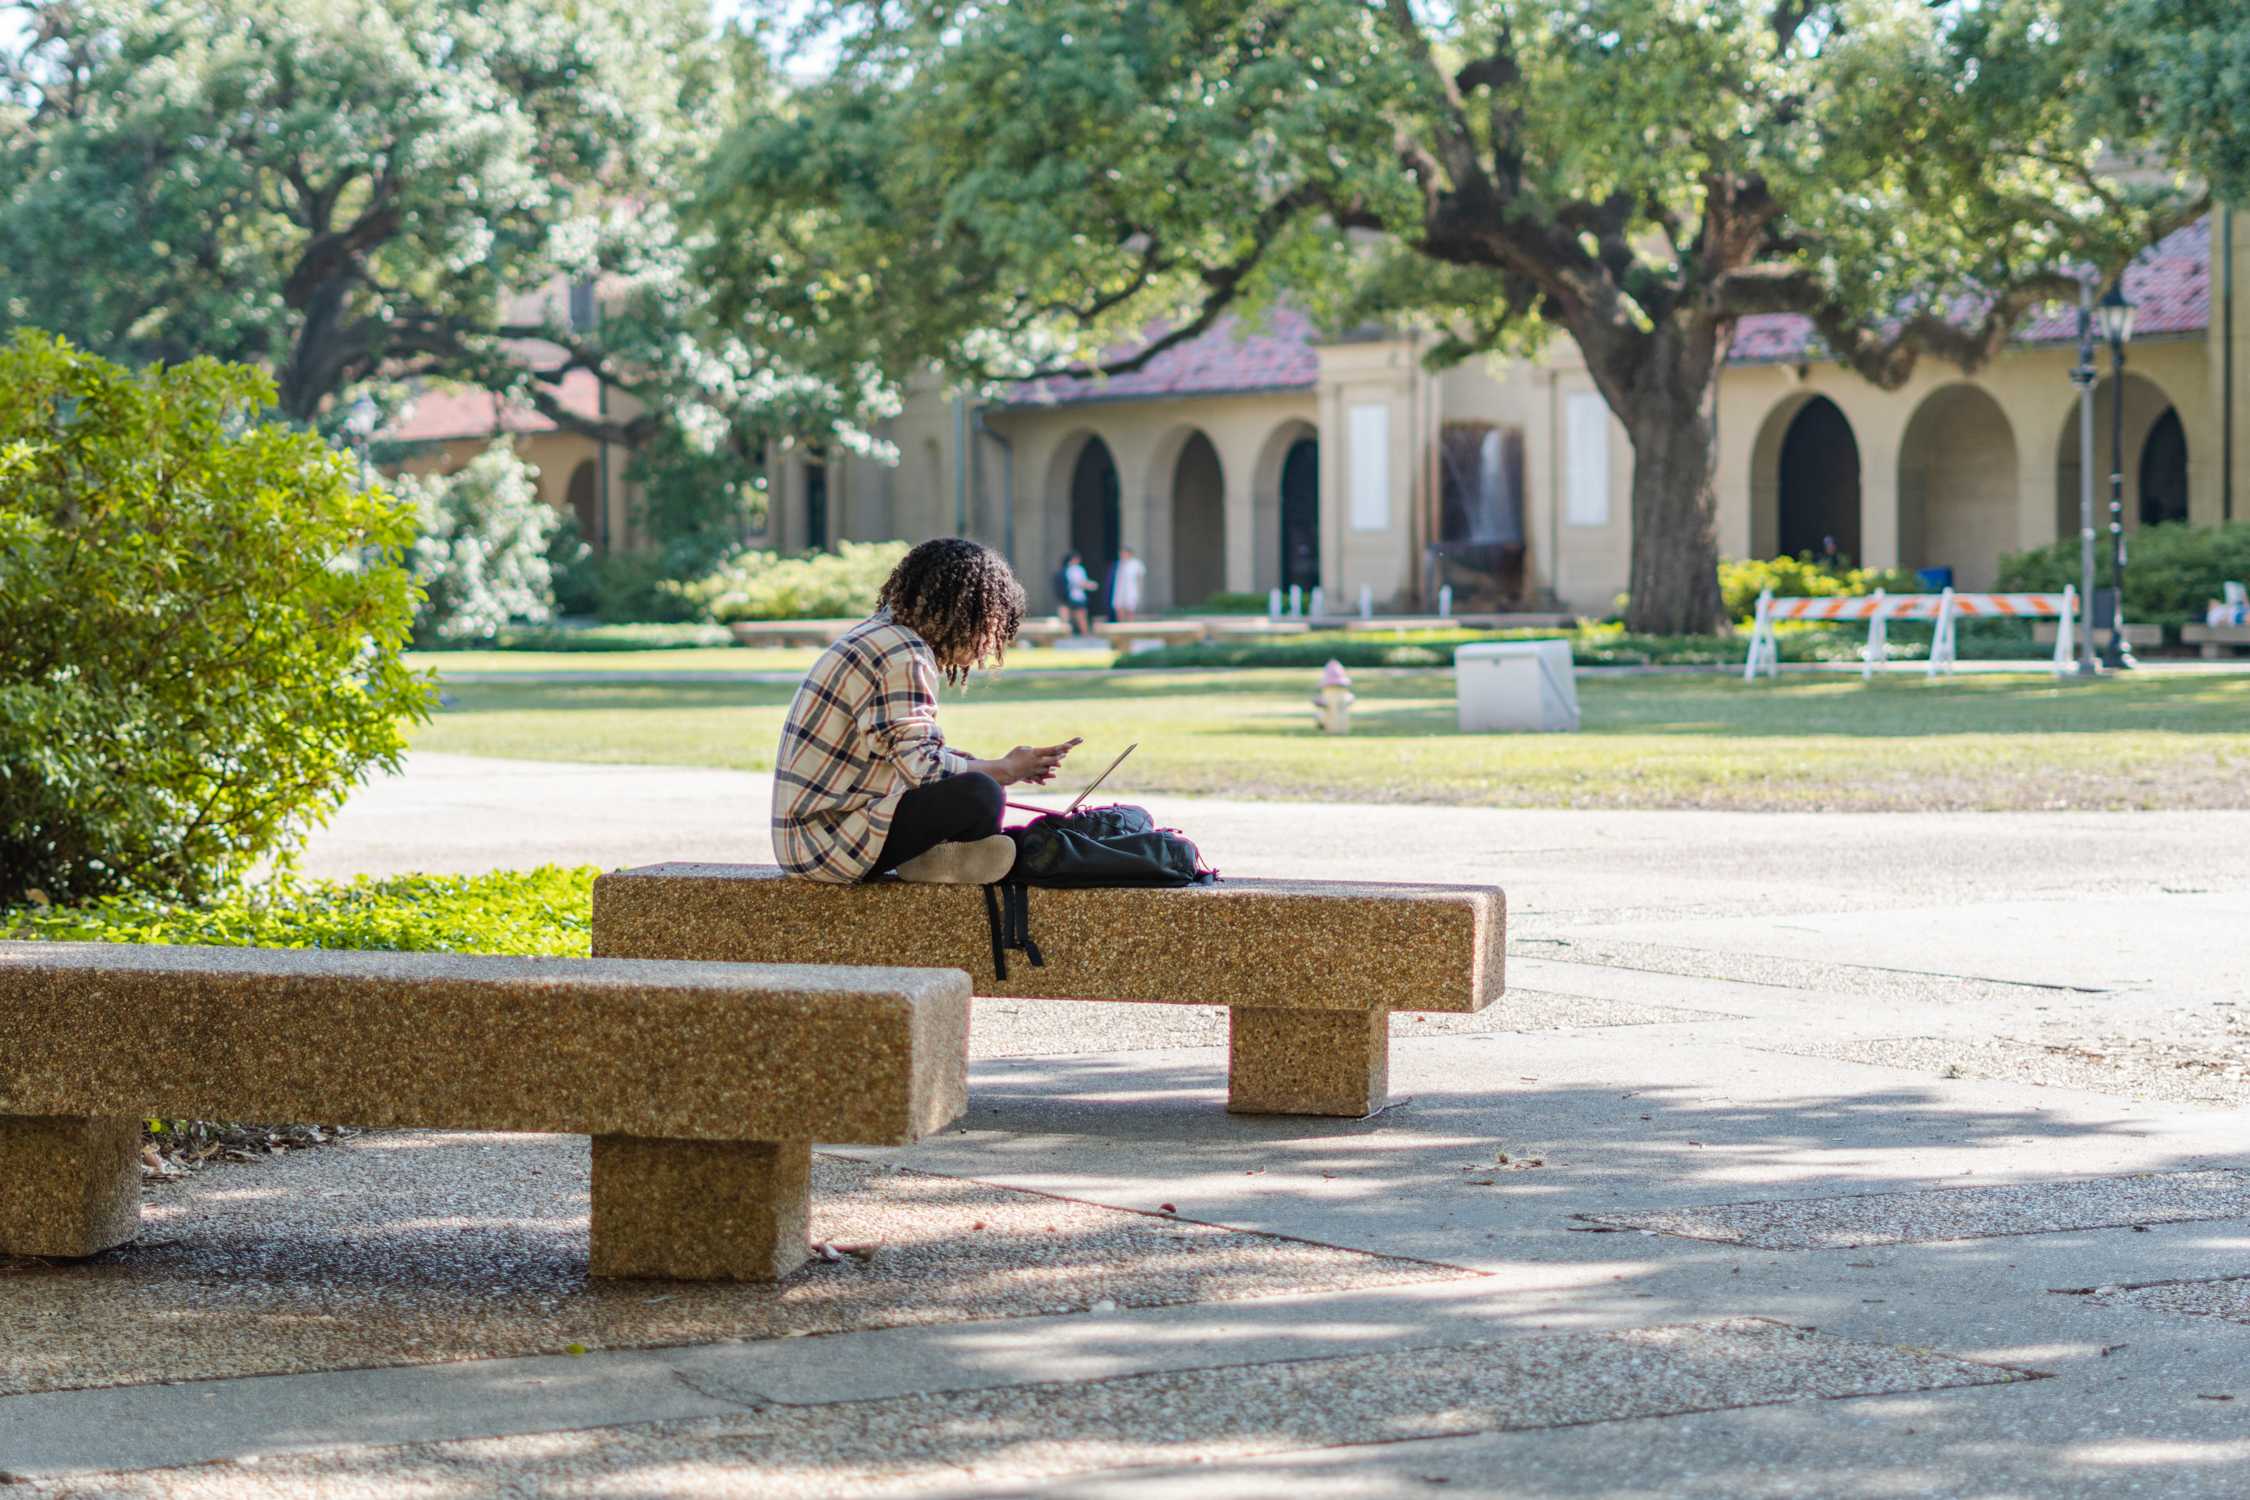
(703, 659)
(1804, 743)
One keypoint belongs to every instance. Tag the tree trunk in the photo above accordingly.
(1675, 567)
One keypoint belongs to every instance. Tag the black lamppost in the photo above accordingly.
(2115, 316)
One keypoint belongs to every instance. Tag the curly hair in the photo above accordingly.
(960, 597)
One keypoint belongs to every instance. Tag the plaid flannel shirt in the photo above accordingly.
(861, 731)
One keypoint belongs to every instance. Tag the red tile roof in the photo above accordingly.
(2170, 285)
(1232, 357)
(465, 411)
(2170, 288)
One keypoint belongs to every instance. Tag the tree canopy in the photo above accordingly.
(357, 193)
(1015, 189)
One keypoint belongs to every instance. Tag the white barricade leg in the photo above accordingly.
(1941, 640)
(1763, 651)
(1878, 648)
(2066, 632)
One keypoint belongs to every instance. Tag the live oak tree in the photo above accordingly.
(1025, 188)
(354, 194)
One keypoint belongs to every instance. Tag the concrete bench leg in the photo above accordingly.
(701, 1210)
(1308, 1062)
(68, 1187)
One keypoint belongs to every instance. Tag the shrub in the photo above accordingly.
(2171, 571)
(681, 637)
(817, 585)
(1231, 604)
(201, 616)
(640, 588)
(572, 566)
(481, 558)
(542, 911)
(1741, 581)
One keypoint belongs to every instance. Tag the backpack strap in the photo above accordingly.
(1007, 915)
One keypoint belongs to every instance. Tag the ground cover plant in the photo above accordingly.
(1700, 740)
(547, 910)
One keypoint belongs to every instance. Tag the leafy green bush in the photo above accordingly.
(640, 588)
(542, 911)
(1230, 604)
(2171, 571)
(481, 557)
(818, 585)
(573, 568)
(1742, 580)
(201, 616)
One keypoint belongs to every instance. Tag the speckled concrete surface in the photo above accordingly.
(984, 1438)
(1680, 985)
(2212, 1076)
(1953, 1213)
(401, 1248)
(1003, 1027)
(2226, 1297)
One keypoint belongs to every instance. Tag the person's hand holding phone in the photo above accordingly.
(1036, 764)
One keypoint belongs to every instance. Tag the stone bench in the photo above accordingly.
(1162, 632)
(789, 632)
(702, 1085)
(1310, 970)
(2216, 641)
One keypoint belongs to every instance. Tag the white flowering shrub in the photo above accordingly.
(482, 555)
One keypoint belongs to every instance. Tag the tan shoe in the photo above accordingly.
(969, 862)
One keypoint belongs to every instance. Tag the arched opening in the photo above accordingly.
(1804, 482)
(1957, 486)
(1300, 515)
(1095, 522)
(1479, 552)
(2146, 408)
(1265, 497)
(584, 498)
(2164, 471)
(1818, 496)
(1199, 524)
(816, 501)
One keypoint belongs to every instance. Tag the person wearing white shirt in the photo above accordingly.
(1125, 588)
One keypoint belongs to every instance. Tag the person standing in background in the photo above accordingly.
(1072, 585)
(1125, 584)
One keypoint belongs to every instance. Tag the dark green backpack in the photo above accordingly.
(1118, 845)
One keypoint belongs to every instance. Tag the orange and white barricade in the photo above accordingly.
(1879, 609)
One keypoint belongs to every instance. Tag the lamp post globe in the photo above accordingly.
(2114, 316)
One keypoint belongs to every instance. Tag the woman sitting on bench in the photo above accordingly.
(864, 782)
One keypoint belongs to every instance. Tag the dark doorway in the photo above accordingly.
(1300, 515)
(1819, 483)
(2164, 471)
(1095, 528)
(585, 503)
(816, 503)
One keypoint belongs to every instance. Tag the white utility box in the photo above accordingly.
(1524, 685)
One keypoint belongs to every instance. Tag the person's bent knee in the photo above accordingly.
(984, 794)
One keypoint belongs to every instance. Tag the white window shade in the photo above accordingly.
(1586, 453)
(1370, 441)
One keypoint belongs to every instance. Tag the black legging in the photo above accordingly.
(948, 810)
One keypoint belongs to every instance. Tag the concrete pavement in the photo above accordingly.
(1807, 1156)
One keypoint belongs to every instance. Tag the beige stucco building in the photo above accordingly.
(1257, 458)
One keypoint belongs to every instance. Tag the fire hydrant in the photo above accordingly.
(1332, 705)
